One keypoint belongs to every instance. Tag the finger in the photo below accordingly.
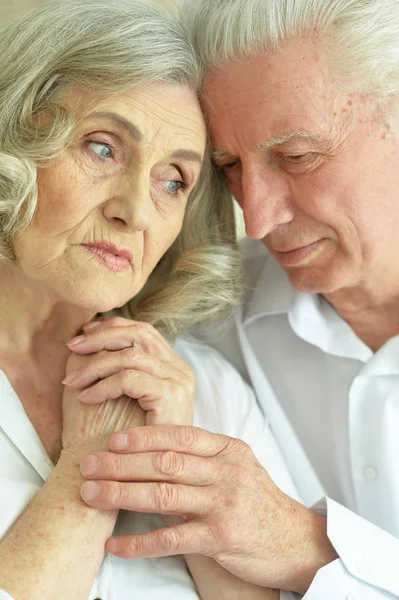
(149, 390)
(178, 438)
(150, 466)
(142, 335)
(186, 538)
(115, 321)
(102, 365)
(148, 497)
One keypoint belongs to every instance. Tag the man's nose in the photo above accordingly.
(265, 200)
(130, 208)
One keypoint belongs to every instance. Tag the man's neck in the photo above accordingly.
(374, 317)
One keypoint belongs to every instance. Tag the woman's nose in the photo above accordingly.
(130, 210)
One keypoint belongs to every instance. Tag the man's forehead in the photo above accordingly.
(268, 77)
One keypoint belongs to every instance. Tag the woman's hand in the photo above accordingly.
(132, 359)
(86, 428)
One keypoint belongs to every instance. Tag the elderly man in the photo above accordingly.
(301, 97)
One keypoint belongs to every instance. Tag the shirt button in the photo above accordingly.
(370, 473)
(353, 596)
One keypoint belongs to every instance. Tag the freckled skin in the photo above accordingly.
(122, 199)
(343, 190)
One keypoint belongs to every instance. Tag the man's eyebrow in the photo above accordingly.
(221, 155)
(188, 155)
(288, 136)
(131, 129)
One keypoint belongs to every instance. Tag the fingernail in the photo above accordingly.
(118, 441)
(89, 490)
(89, 465)
(76, 340)
(71, 377)
(82, 395)
(91, 325)
(112, 545)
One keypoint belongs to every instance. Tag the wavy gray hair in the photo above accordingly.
(361, 36)
(106, 48)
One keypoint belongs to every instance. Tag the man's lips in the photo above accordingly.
(116, 259)
(293, 255)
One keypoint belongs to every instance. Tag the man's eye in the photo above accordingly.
(295, 157)
(229, 166)
(103, 150)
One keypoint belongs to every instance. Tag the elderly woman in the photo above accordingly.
(102, 178)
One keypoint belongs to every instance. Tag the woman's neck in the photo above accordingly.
(33, 323)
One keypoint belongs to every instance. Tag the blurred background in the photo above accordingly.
(12, 8)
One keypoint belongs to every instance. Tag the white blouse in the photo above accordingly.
(224, 404)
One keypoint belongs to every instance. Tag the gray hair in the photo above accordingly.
(361, 36)
(107, 48)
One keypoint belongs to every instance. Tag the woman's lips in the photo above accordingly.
(114, 258)
(295, 257)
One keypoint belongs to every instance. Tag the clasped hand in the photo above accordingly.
(228, 507)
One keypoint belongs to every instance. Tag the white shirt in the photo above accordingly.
(224, 403)
(333, 406)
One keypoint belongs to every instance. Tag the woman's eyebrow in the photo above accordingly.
(133, 131)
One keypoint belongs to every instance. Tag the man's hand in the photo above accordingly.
(232, 510)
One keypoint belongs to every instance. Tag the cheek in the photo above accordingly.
(160, 237)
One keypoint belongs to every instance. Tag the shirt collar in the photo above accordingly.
(311, 317)
(16, 425)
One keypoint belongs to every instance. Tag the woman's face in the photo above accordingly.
(113, 203)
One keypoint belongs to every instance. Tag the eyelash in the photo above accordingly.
(295, 158)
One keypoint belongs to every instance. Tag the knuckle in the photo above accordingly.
(124, 377)
(114, 464)
(116, 494)
(237, 446)
(186, 436)
(236, 472)
(169, 541)
(165, 497)
(131, 353)
(169, 464)
(135, 546)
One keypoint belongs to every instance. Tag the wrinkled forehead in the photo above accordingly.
(291, 84)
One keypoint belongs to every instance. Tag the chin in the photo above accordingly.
(97, 300)
(316, 280)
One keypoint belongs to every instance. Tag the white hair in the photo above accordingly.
(361, 36)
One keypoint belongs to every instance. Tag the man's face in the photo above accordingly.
(317, 176)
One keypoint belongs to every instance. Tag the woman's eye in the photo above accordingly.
(175, 185)
(101, 149)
